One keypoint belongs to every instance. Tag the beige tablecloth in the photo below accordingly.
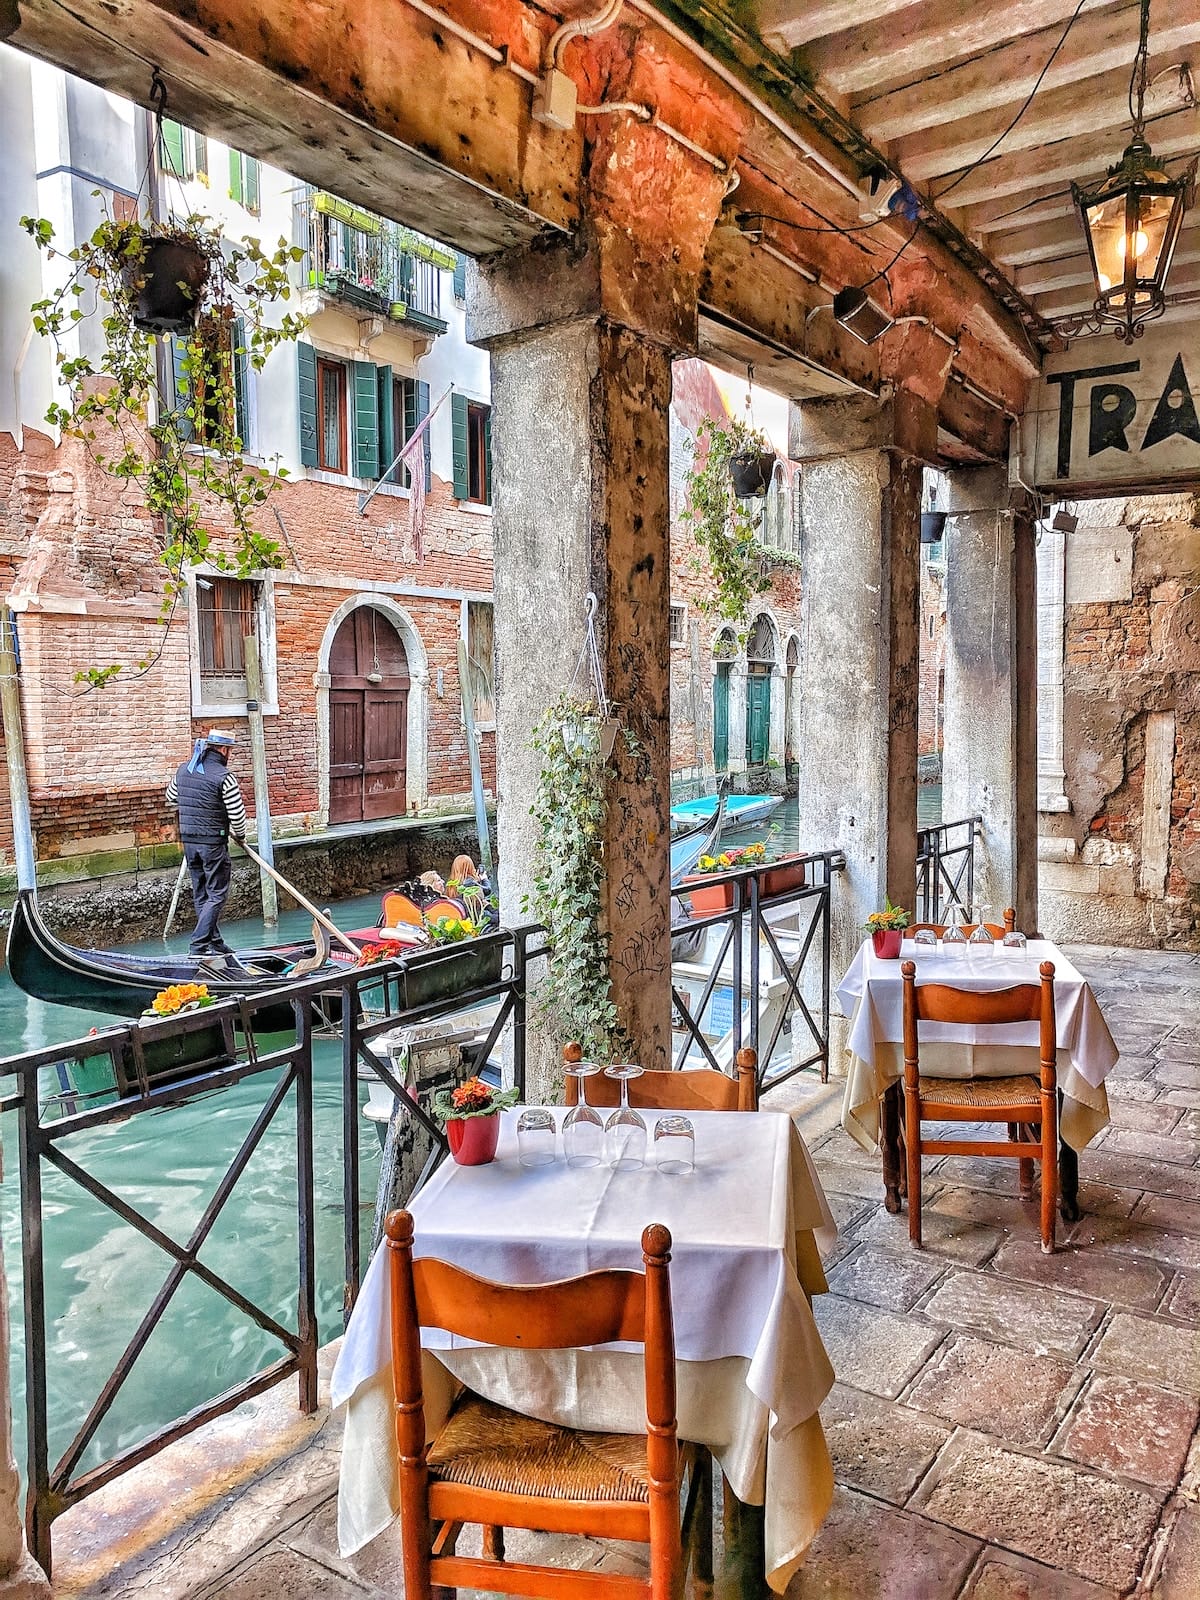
(871, 996)
(752, 1370)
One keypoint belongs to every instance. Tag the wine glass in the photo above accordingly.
(1014, 940)
(981, 940)
(954, 940)
(625, 1130)
(583, 1126)
(925, 940)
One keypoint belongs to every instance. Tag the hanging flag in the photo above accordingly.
(413, 457)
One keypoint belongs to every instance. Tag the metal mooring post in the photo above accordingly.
(262, 801)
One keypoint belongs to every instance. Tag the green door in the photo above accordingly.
(758, 717)
(721, 717)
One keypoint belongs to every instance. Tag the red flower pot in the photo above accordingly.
(887, 943)
(783, 876)
(473, 1140)
(709, 894)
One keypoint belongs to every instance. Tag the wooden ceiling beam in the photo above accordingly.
(918, 39)
(1099, 42)
(1092, 105)
(1185, 278)
(1081, 159)
(1067, 270)
(1052, 241)
(787, 23)
(1016, 211)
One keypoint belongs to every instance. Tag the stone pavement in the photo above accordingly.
(1007, 1426)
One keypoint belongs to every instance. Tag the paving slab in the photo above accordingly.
(1178, 1073)
(978, 1384)
(1166, 1211)
(1100, 1275)
(1118, 1171)
(1183, 1097)
(284, 1575)
(1070, 1518)
(866, 1551)
(872, 1349)
(1179, 1578)
(1145, 1116)
(1156, 1146)
(1000, 1575)
(1137, 1237)
(837, 1177)
(958, 1239)
(1133, 1429)
(1129, 1089)
(1035, 1318)
(1152, 1349)
(877, 1446)
(895, 1282)
(1183, 1301)
(979, 1172)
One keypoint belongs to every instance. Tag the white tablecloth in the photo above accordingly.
(752, 1370)
(871, 995)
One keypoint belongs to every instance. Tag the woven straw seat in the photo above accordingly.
(981, 1093)
(486, 1447)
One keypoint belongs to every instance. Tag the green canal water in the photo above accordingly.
(101, 1276)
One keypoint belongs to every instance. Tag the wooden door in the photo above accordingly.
(758, 716)
(368, 719)
(721, 717)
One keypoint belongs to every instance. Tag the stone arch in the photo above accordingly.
(418, 696)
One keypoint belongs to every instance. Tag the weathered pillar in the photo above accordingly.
(989, 760)
(581, 352)
(857, 678)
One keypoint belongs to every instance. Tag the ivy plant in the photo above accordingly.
(722, 525)
(112, 404)
(570, 809)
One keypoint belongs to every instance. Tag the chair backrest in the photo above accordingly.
(443, 906)
(942, 1002)
(994, 928)
(399, 908)
(598, 1308)
(694, 1089)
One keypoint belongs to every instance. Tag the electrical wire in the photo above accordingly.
(1028, 101)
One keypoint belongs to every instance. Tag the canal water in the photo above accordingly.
(101, 1275)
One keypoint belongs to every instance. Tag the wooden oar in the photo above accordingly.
(307, 905)
(174, 907)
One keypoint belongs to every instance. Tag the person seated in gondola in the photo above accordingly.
(470, 884)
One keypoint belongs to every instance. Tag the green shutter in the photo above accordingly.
(182, 397)
(241, 381)
(458, 419)
(387, 421)
(422, 413)
(306, 361)
(364, 449)
(235, 176)
(251, 171)
(170, 147)
(460, 277)
(410, 424)
(200, 146)
(487, 454)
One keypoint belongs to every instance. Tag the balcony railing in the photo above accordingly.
(946, 870)
(370, 263)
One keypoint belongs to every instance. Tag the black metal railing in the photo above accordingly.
(761, 965)
(946, 870)
(143, 1068)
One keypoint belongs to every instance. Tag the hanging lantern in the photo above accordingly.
(1131, 221)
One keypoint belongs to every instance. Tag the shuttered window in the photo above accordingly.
(204, 369)
(172, 152)
(364, 433)
(460, 277)
(306, 371)
(226, 611)
(472, 428)
(331, 416)
(244, 180)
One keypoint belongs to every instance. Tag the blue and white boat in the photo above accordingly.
(741, 810)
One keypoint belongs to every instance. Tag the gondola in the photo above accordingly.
(125, 984)
(741, 810)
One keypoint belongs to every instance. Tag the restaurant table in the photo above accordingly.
(751, 1370)
(871, 995)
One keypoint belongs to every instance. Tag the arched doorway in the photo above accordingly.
(724, 654)
(368, 719)
(760, 662)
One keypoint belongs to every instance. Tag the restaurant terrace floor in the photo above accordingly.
(1006, 1425)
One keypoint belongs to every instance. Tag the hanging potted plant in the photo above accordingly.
(725, 530)
(752, 466)
(471, 1117)
(575, 1000)
(141, 277)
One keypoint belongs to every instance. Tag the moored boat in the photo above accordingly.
(741, 810)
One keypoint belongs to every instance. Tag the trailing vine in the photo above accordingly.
(721, 524)
(570, 808)
(109, 398)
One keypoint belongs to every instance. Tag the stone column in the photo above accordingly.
(580, 436)
(857, 678)
(989, 762)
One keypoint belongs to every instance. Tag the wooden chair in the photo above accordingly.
(994, 928)
(1016, 1101)
(493, 1467)
(696, 1089)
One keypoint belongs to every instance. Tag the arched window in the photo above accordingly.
(760, 646)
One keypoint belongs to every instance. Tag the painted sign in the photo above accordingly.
(1106, 417)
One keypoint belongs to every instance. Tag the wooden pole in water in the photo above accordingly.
(174, 906)
(14, 751)
(262, 802)
(481, 821)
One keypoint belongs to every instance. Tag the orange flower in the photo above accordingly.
(473, 1095)
(172, 999)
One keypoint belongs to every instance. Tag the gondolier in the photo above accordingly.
(208, 799)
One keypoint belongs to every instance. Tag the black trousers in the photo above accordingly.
(210, 871)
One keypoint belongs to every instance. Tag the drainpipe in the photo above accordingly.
(14, 750)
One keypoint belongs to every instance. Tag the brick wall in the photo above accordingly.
(933, 659)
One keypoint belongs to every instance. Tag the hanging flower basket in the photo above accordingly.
(169, 283)
(751, 472)
(933, 525)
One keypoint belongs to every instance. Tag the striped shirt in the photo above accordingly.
(231, 799)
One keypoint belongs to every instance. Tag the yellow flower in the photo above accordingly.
(167, 1001)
